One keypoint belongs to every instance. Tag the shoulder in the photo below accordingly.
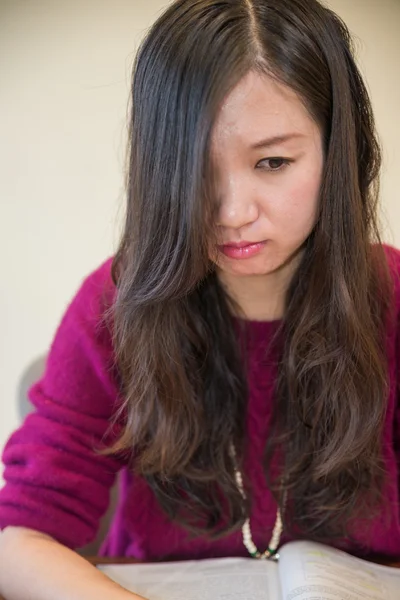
(90, 305)
(392, 257)
(97, 289)
(101, 275)
(81, 353)
(393, 261)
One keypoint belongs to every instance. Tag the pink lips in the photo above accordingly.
(239, 250)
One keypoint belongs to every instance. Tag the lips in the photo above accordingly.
(241, 244)
(241, 250)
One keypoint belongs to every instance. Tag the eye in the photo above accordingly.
(275, 164)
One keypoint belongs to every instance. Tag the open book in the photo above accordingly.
(305, 571)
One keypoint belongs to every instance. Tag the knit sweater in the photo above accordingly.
(58, 484)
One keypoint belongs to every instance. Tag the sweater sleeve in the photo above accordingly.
(55, 480)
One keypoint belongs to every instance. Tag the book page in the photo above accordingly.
(209, 579)
(310, 571)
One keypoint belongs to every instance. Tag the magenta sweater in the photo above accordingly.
(56, 483)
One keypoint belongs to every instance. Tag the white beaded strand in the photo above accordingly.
(270, 552)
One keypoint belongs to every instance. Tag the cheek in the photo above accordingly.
(297, 205)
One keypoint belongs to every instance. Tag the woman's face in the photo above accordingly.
(267, 157)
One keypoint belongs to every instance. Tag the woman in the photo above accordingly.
(236, 360)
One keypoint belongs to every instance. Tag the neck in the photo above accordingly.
(258, 297)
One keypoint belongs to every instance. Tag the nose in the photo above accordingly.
(237, 204)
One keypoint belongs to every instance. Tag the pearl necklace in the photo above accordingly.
(271, 551)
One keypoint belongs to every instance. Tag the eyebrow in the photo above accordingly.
(277, 139)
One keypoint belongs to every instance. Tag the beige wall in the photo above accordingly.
(376, 27)
(64, 85)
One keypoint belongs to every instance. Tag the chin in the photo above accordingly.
(249, 272)
(249, 267)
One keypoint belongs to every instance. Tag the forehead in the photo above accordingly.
(258, 106)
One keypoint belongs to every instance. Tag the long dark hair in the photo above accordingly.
(177, 349)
